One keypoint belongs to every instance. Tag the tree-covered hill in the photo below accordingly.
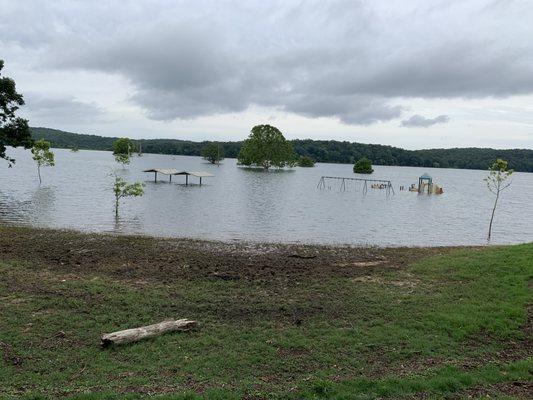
(320, 150)
(68, 140)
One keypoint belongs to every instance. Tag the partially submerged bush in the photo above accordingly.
(363, 166)
(306, 161)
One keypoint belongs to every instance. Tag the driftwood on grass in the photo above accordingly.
(143, 332)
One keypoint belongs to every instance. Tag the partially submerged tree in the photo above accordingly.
(122, 189)
(14, 131)
(363, 166)
(42, 155)
(213, 152)
(122, 149)
(496, 182)
(267, 147)
(306, 161)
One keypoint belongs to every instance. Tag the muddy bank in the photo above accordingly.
(147, 258)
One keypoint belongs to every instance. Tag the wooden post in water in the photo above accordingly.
(186, 180)
(155, 176)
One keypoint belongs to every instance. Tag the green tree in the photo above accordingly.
(266, 147)
(306, 161)
(213, 152)
(42, 156)
(122, 149)
(14, 131)
(496, 182)
(123, 189)
(363, 166)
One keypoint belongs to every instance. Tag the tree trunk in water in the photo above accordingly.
(116, 206)
(39, 173)
(136, 334)
(492, 216)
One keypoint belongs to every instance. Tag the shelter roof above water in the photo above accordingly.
(165, 171)
(198, 174)
(173, 171)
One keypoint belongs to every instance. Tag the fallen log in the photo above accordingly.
(143, 332)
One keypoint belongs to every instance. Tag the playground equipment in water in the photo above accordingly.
(347, 183)
(426, 185)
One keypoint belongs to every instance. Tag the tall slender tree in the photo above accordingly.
(497, 181)
(14, 131)
(122, 189)
(42, 156)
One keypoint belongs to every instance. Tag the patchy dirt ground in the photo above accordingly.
(287, 290)
(137, 257)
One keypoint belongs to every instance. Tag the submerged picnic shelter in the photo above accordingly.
(173, 171)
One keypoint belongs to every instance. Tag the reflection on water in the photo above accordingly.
(250, 204)
(36, 210)
(126, 224)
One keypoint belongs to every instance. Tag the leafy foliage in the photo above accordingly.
(123, 189)
(363, 166)
(266, 147)
(14, 131)
(213, 152)
(306, 161)
(496, 182)
(42, 155)
(123, 158)
(122, 149)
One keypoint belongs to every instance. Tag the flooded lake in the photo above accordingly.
(276, 206)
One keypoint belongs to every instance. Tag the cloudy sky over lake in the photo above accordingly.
(413, 74)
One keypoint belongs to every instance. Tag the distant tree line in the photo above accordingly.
(330, 151)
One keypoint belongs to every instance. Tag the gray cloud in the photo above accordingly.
(58, 110)
(354, 61)
(418, 121)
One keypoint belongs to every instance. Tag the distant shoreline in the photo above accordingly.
(325, 151)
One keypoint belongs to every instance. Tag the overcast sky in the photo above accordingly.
(409, 73)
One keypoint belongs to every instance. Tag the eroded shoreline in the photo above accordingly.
(162, 258)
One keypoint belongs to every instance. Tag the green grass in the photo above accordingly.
(395, 332)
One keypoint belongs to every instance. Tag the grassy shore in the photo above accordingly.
(275, 321)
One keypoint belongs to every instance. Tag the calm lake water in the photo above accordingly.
(276, 206)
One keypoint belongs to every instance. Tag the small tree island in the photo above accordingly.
(306, 161)
(122, 149)
(267, 147)
(213, 152)
(363, 166)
